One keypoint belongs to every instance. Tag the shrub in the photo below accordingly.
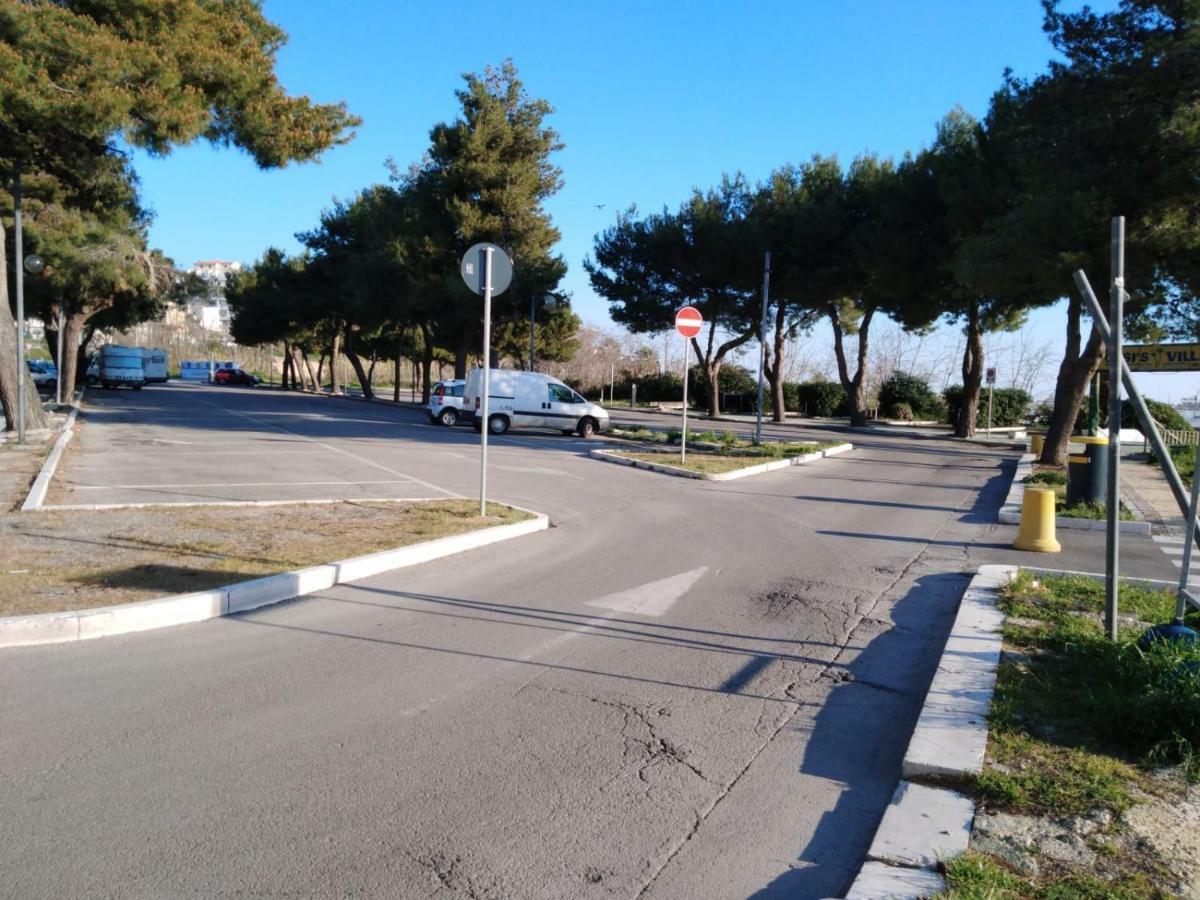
(657, 388)
(905, 390)
(733, 380)
(815, 398)
(1048, 476)
(1009, 406)
(1166, 415)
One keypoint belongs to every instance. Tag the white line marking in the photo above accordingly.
(653, 598)
(183, 503)
(199, 484)
(362, 460)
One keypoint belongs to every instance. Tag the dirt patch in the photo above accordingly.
(75, 559)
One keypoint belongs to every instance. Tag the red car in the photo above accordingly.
(234, 376)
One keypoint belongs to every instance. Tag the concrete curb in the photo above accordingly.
(612, 457)
(1010, 511)
(41, 484)
(180, 609)
(925, 826)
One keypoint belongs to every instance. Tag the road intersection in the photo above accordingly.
(681, 689)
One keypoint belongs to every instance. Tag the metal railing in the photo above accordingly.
(1177, 437)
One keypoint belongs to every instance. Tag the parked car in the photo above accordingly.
(121, 367)
(530, 400)
(445, 401)
(234, 376)
(44, 373)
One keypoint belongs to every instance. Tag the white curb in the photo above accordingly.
(666, 469)
(41, 484)
(180, 609)
(1010, 512)
(924, 827)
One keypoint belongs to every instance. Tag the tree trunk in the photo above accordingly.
(74, 373)
(461, 354)
(1073, 376)
(854, 385)
(426, 364)
(775, 371)
(334, 387)
(285, 370)
(396, 379)
(35, 416)
(321, 372)
(972, 373)
(312, 376)
(364, 377)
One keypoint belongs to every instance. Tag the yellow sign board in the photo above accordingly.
(1162, 357)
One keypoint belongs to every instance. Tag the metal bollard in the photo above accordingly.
(1036, 533)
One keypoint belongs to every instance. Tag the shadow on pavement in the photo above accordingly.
(860, 735)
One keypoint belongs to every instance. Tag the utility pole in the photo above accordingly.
(762, 346)
(22, 373)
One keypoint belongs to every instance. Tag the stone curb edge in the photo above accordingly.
(180, 609)
(610, 456)
(41, 484)
(924, 826)
(1010, 511)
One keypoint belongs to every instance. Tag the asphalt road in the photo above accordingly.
(683, 689)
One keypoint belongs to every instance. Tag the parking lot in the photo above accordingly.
(187, 443)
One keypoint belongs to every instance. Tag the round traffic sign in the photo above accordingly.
(688, 321)
(474, 261)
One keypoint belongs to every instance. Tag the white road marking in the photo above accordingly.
(361, 459)
(201, 484)
(653, 598)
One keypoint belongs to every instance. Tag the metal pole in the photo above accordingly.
(1185, 571)
(991, 392)
(532, 326)
(762, 347)
(683, 435)
(58, 390)
(1112, 558)
(22, 374)
(486, 253)
(612, 384)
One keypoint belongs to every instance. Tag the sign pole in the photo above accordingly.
(485, 263)
(1116, 302)
(762, 348)
(683, 436)
(19, 259)
(991, 391)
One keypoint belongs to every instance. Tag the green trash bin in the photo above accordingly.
(1087, 472)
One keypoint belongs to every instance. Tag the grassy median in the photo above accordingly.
(1082, 731)
(739, 457)
(66, 560)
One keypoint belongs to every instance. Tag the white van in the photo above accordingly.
(530, 400)
(154, 364)
(121, 367)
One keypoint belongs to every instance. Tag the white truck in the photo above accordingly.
(121, 367)
(154, 364)
(530, 400)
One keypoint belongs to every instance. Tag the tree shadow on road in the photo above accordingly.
(860, 734)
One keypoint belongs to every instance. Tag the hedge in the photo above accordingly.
(905, 396)
(1009, 406)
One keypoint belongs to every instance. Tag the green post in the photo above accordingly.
(1094, 406)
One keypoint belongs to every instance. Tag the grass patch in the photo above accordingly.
(717, 463)
(1081, 724)
(85, 559)
(1047, 476)
(1096, 511)
(976, 876)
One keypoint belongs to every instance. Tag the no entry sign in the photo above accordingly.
(688, 321)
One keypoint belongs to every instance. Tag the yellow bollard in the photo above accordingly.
(1037, 443)
(1037, 521)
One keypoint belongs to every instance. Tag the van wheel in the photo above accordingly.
(498, 424)
(449, 416)
(587, 427)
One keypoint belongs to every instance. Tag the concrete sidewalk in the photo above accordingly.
(1145, 487)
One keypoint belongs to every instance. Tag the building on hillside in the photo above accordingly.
(214, 270)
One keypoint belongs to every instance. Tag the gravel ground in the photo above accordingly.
(75, 559)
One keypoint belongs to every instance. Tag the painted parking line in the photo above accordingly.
(204, 484)
(355, 456)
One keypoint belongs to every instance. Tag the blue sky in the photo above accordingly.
(651, 99)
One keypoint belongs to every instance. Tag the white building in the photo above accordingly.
(212, 312)
(214, 270)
